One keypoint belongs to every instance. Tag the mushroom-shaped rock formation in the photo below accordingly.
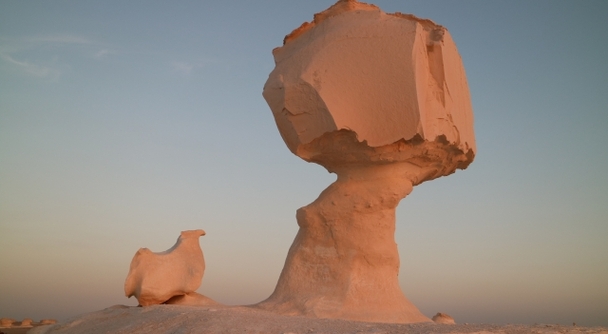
(156, 278)
(382, 101)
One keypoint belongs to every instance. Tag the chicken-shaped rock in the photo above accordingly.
(155, 278)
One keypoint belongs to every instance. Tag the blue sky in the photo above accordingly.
(122, 124)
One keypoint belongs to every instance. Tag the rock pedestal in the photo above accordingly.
(382, 101)
(344, 261)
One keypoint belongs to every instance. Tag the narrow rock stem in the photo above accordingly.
(344, 261)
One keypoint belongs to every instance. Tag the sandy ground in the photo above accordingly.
(15, 330)
(240, 319)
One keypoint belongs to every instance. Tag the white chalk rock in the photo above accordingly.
(192, 299)
(387, 78)
(27, 322)
(382, 101)
(442, 318)
(155, 278)
(6, 322)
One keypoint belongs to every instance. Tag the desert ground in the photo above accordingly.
(243, 319)
(16, 330)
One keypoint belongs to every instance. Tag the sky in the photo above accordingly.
(124, 123)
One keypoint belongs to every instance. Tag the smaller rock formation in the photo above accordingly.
(27, 322)
(156, 278)
(192, 299)
(442, 318)
(6, 322)
(48, 322)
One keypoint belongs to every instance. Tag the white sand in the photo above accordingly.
(240, 319)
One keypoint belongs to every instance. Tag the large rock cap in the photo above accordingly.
(386, 77)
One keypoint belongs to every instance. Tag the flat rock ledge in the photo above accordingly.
(160, 319)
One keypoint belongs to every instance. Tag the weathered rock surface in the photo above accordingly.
(27, 322)
(6, 322)
(192, 299)
(442, 318)
(388, 78)
(156, 278)
(382, 101)
(167, 319)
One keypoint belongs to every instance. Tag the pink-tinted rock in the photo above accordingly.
(382, 101)
(27, 322)
(442, 318)
(192, 299)
(155, 278)
(6, 322)
(388, 78)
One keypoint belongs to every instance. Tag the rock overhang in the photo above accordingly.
(388, 78)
